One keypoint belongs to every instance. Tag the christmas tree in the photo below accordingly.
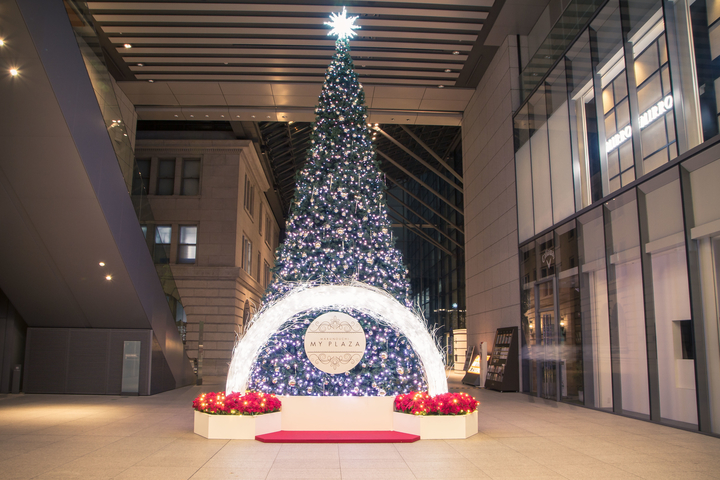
(337, 231)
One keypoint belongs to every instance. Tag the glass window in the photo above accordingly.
(267, 229)
(561, 167)
(583, 124)
(267, 275)
(191, 177)
(528, 272)
(665, 253)
(260, 221)
(523, 172)
(704, 198)
(163, 238)
(540, 160)
(166, 176)
(249, 196)
(627, 313)
(247, 255)
(570, 337)
(655, 98)
(187, 247)
(597, 385)
(141, 179)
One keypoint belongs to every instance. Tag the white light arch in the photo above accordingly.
(357, 296)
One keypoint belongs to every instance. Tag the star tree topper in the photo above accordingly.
(342, 25)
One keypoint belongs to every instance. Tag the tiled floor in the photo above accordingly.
(97, 437)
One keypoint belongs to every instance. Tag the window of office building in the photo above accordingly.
(260, 221)
(267, 275)
(163, 239)
(166, 176)
(267, 230)
(247, 255)
(249, 201)
(187, 246)
(190, 177)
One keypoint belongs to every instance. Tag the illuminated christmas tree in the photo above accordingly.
(337, 231)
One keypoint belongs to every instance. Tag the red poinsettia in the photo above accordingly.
(420, 403)
(251, 403)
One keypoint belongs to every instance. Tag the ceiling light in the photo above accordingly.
(2, 43)
(238, 116)
(102, 264)
(441, 86)
(13, 72)
(175, 116)
(223, 116)
(291, 122)
(192, 116)
(206, 116)
(140, 65)
(268, 116)
(253, 116)
(127, 45)
(108, 277)
(447, 70)
(151, 80)
(456, 52)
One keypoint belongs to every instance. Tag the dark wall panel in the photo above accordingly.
(85, 361)
(46, 360)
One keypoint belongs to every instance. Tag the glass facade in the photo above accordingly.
(619, 216)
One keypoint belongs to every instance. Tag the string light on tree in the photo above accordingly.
(337, 231)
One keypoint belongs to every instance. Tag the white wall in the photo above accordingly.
(491, 239)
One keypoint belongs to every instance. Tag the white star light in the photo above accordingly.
(342, 26)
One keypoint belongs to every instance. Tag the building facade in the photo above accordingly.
(214, 228)
(595, 157)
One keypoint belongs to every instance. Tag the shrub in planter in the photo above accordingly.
(420, 403)
(250, 403)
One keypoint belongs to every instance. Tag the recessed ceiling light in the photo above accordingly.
(206, 116)
(13, 72)
(447, 70)
(223, 116)
(441, 86)
(2, 43)
(291, 122)
(175, 116)
(102, 264)
(151, 80)
(192, 116)
(140, 65)
(238, 116)
(127, 45)
(456, 52)
(108, 277)
(268, 116)
(253, 116)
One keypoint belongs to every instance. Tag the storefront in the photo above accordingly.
(617, 168)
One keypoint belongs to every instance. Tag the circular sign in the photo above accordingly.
(335, 342)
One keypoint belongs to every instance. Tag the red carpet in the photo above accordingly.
(286, 436)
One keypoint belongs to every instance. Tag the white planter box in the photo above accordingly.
(236, 427)
(431, 427)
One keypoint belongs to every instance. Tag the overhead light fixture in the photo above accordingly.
(291, 122)
(151, 80)
(222, 116)
(102, 264)
(2, 43)
(206, 116)
(456, 52)
(13, 72)
(108, 277)
(447, 70)
(140, 65)
(441, 86)
(192, 116)
(175, 116)
(253, 116)
(127, 45)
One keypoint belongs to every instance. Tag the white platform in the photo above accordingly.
(236, 427)
(435, 427)
(337, 413)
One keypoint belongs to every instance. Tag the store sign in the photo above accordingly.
(335, 342)
(652, 114)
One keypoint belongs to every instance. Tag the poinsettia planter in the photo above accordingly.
(236, 427)
(435, 427)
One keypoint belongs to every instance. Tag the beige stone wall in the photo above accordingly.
(491, 240)
(215, 289)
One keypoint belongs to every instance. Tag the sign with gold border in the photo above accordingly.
(335, 342)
